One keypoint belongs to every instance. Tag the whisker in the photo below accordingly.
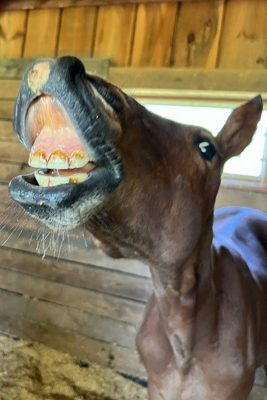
(20, 233)
(56, 241)
(44, 247)
(38, 241)
(85, 241)
(53, 243)
(31, 238)
(19, 212)
(13, 230)
(61, 244)
(69, 243)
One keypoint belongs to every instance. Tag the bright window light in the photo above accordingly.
(249, 163)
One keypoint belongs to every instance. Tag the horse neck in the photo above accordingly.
(180, 294)
(181, 288)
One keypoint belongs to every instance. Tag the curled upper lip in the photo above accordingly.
(73, 93)
(68, 85)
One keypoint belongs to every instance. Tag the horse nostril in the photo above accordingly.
(38, 76)
(70, 65)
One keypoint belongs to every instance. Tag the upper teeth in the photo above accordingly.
(38, 159)
(78, 159)
(58, 159)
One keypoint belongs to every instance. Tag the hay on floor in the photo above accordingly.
(31, 371)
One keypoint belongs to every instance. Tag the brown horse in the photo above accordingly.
(145, 188)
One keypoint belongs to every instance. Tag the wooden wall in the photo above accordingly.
(203, 34)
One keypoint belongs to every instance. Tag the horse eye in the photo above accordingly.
(207, 150)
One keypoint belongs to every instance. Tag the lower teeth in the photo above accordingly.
(45, 179)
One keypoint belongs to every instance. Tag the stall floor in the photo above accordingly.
(31, 371)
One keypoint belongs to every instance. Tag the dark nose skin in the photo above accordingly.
(39, 74)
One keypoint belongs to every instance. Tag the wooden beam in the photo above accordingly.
(14, 68)
(34, 4)
(190, 79)
(229, 80)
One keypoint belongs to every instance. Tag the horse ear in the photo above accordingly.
(239, 128)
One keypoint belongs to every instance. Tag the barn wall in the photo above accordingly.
(203, 34)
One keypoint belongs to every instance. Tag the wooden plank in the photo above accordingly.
(173, 78)
(65, 247)
(244, 36)
(7, 131)
(165, 78)
(6, 109)
(125, 285)
(195, 79)
(204, 98)
(198, 34)
(106, 354)
(91, 301)
(12, 68)
(12, 33)
(9, 89)
(77, 31)
(96, 66)
(32, 4)
(241, 197)
(70, 319)
(114, 32)
(42, 33)
(12, 151)
(153, 35)
(9, 169)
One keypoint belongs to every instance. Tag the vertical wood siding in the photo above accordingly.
(244, 35)
(12, 33)
(154, 34)
(76, 33)
(209, 34)
(42, 33)
(114, 33)
(198, 34)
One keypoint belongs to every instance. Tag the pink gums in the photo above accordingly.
(64, 139)
(50, 129)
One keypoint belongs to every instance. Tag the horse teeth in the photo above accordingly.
(43, 180)
(58, 160)
(38, 159)
(46, 180)
(78, 159)
(77, 178)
